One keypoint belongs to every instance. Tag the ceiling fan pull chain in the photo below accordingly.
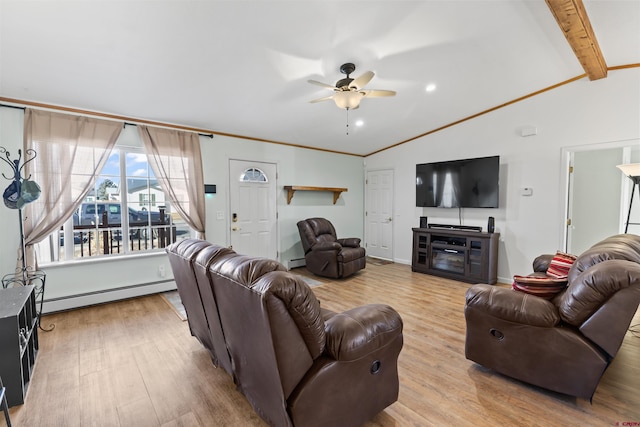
(347, 121)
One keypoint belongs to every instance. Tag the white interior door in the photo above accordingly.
(595, 187)
(253, 216)
(568, 224)
(379, 214)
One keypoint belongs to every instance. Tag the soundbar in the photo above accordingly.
(456, 227)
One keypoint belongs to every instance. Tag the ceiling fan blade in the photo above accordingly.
(326, 98)
(361, 81)
(374, 93)
(328, 86)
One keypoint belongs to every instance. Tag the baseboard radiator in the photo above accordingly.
(294, 263)
(52, 305)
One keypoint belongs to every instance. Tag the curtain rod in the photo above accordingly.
(13, 106)
(206, 132)
(208, 135)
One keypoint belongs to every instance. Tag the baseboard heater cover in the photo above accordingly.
(53, 305)
(298, 262)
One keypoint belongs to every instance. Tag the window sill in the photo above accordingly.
(101, 260)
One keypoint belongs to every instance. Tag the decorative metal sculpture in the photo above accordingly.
(20, 192)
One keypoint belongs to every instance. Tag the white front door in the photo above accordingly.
(379, 214)
(252, 200)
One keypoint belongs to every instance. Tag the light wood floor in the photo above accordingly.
(133, 363)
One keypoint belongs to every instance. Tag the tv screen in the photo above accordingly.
(468, 183)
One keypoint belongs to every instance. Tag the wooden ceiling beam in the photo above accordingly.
(574, 23)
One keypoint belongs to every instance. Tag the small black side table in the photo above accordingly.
(18, 340)
(38, 279)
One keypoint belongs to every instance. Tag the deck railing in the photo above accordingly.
(106, 238)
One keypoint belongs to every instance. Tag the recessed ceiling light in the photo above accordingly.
(359, 123)
(430, 87)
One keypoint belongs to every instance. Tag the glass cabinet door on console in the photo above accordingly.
(475, 261)
(421, 249)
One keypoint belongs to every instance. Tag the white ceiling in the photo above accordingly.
(241, 67)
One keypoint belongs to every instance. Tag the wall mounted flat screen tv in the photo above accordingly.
(468, 183)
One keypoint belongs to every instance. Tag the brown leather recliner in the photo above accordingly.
(564, 344)
(325, 254)
(296, 363)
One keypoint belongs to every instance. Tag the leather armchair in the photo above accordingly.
(325, 254)
(566, 343)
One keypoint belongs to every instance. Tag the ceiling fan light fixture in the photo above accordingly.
(348, 92)
(348, 100)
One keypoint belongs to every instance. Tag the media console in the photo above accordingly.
(461, 254)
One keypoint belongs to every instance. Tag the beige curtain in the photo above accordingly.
(71, 150)
(176, 161)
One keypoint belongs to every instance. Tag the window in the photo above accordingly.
(145, 201)
(253, 175)
(125, 212)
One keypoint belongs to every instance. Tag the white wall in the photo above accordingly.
(11, 130)
(296, 166)
(583, 112)
(79, 283)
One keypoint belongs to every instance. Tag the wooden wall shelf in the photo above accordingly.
(291, 189)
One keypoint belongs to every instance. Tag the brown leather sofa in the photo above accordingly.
(182, 266)
(296, 363)
(325, 254)
(564, 344)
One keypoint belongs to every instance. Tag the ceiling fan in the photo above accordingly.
(349, 92)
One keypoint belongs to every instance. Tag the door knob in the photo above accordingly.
(236, 228)
(389, 219)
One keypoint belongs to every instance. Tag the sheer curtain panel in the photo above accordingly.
(71, 150)
(176, 161)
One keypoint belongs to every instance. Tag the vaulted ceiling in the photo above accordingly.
(241, 67)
